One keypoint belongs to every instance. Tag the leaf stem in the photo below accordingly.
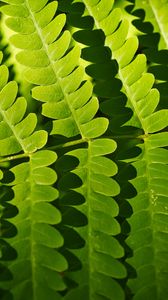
(69, 144)
(121, 137)
(13, 157)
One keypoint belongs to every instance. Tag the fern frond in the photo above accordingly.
(55, 67)
(68, 99)
(7, 231)
(37, 241)
(159, 11)
(149, 208)
(152, 44)
(149, 233)
(102, 251)
(16, 132)
(137, 83)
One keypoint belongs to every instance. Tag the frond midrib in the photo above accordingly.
(89, 218)
(148, 177)
(32, 260)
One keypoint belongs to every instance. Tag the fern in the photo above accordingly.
(102, 249)
(144, 100)
(31, 194)
(83, 175)
(158, 10)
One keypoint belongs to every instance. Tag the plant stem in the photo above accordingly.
(69, 144)
(13, 157)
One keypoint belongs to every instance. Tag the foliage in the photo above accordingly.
(83, 150)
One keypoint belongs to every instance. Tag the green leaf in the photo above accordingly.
(95, 128)
(103, 185)
(157, 121)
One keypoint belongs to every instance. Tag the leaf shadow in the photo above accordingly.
(157, 58)
(7, 230)
(102, 70)
(72, 217)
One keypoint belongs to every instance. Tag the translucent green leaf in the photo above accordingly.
(104, 185)
(46, 213)
(134, 70)
(60, 46)
(53, 29)
(99, 10)
(35, 141)
(95, 128)
(26, 127)
(104, 166)
(43, 158)
(9, 146)
(6, 97)
(45, 15)
(129, 47)
(33, 58)
(47, 235)
(21, 25)
(116, 40)
(88, 111)
(15, 10)
(109, 246)
(102, 146)
(65, 127)
(22, 41)
(38, 76)
(110, 23)
(156, 121)
(50, 93)
(17, 111)
(109, 266)
(36, 6)
(103, 223)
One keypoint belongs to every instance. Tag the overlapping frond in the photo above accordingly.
(54, 65)
(29, 234)
(151, 22)
(16, 131)
(160, 12)
(37, 269)
(149, 234)
(148, 223)
(7, 231)
(102, 251)
(132, 71)
(153, 44)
